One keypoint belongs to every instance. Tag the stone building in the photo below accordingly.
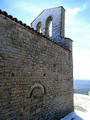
(36, 70)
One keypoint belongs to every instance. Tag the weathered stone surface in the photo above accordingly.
(27, 59)
(57, 16)
(58, 21)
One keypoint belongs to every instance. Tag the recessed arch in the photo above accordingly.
(37, 90)
(48, 26)
(38, 27)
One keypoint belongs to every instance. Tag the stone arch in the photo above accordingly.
(36, 95)
(48, 26)
(38, 27)
(37, 90)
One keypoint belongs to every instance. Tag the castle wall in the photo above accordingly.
(35, 75)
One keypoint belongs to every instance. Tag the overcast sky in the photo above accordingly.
(77, 25)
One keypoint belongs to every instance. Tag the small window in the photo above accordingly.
(48, 28)
(38, 27)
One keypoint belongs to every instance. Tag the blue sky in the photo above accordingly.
(77, 25)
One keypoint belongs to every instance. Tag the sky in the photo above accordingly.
(77, 26)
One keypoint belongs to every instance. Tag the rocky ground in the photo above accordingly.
(82, 108)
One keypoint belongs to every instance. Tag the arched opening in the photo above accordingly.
(38, 27)
(36, 95)
(48, 27)
(37, 90)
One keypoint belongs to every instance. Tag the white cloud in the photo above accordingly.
(88, 36)
(57, 2)
(84, 6)
(82, 64)
(28, 7)
(79, 32)
(71, 13)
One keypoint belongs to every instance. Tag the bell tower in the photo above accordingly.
(51, 23)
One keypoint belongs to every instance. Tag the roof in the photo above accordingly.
(28, 27)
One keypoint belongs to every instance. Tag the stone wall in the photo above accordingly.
(57, 16)
(35, 75)
(58, 21)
